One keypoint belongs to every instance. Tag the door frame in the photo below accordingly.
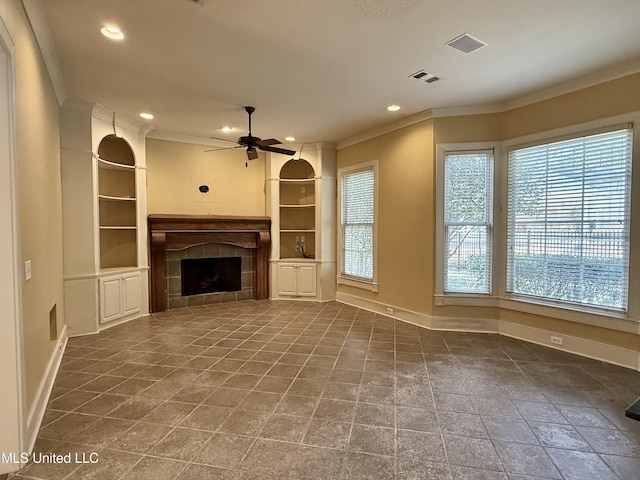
(12, 373)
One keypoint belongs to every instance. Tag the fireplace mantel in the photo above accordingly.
(177, 232)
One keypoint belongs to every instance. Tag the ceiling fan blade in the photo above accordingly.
(222, 139)
(283, 151)
(268, 141)
(252, 153)
(222, 148)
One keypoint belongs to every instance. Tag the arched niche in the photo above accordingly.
(297, 169)
(117, 150)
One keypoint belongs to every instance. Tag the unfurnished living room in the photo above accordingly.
(316, 240)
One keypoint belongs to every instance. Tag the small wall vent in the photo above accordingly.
(424, 76)
(466, 44)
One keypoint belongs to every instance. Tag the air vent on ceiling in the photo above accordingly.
(465, 43)
(424, 76)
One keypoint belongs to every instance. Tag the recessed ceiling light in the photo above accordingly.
(290, 139)
(146, 116)
(112, 32)
(226, 129)
(393, 108)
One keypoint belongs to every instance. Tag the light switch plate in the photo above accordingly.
(27, 270)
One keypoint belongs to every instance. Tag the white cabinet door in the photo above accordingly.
(120, 296)
(307, 280)
(287, 280)
(131, 300)
(110, 299)
(296, 280)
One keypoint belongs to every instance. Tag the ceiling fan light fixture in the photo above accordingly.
(112, 32)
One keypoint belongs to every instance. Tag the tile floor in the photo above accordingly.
(292, 390)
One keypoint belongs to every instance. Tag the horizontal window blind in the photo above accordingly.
(468, 192)
(568, 220)
(357, 218)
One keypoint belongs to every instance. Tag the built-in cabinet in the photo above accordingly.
(104, 218)
(301, 202)
(119, 296)
(297, 279)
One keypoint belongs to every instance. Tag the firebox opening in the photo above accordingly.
(208, 275)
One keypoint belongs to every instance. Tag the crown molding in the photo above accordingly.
(580, 83)
(387, 128)
(40, 28)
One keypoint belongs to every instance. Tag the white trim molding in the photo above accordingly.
(40, 27)
(36, 413)
(579, 346)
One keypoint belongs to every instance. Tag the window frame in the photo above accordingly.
(350, 280)
(509, 274)
(615, 320)
(443, 297)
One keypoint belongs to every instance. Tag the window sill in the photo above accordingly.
(611, 319)
(357, 282)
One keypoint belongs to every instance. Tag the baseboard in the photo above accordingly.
(576, 345)
(479, 325)
(36, 412)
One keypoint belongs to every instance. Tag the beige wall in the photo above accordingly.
(407, 193)
(406, 214)
(175, 170)
(39, 196)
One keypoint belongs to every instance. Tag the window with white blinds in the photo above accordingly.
(357, 207)
(568, 220)
(468, 206)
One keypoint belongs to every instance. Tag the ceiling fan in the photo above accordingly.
(253, 144)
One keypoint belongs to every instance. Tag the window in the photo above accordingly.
(568, 220)
(468, 205)
(358, 224)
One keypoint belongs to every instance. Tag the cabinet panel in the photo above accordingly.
(287, 280)
(307, 280)
(110, 299)
(131, 301)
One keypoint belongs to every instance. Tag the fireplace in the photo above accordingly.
(210, 275)
(177, 237)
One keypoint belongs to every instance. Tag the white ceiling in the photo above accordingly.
(327, 69)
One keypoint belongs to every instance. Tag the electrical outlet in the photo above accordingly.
(297, 248)
(390, 310)
(556, 340)
(303, 190)
(298, 239)
(302, 238)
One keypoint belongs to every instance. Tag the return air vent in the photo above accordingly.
(424, 76)
(466, 44)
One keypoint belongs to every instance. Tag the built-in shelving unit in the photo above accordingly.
(117, 203)
(104, 218)
(301, 198)
(297, 210)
